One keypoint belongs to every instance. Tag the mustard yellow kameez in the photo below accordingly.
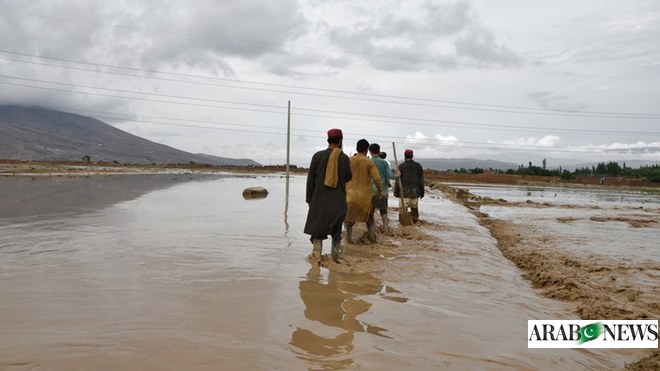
(358, 190)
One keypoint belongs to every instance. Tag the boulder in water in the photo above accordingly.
(252, 193)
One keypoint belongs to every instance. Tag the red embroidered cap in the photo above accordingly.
(335, 133)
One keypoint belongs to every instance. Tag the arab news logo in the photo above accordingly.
(590, 334)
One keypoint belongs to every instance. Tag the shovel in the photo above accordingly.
(404, 217)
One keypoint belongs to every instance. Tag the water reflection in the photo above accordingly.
(286, 205)
(334, 301)
(24, 197)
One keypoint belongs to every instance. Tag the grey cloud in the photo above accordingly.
(364, 43)
(397, 42)
(68, 102)
(21, 89)
(245, 29)
(301, 65)
(627, 38)
(404, 59)
(153, 33)
(30, 27)
(446, 20)
(148, 34)
(481, 46)
(554, 101)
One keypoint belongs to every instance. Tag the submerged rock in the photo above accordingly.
(252, 193)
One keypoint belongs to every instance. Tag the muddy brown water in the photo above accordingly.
(173, 272)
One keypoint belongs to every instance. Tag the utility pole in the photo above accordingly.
(288, 139)
(288, 157)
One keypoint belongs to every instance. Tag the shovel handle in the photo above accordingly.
(396, 164)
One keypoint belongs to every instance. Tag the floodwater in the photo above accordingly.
(617, 224)
(179, 272)
(582, 196)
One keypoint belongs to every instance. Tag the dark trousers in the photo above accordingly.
(335, 231)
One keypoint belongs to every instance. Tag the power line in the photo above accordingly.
(424, 141)
(136, 98)
(460, 122)
(513, 128)
(371, 117)
(427, 142)
(484, 126)
(413, 101)
(430, 142)
(139, 92)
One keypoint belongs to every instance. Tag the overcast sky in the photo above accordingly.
(571, 81)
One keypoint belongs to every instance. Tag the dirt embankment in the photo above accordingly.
(598, 285)
(536, 180)
(18, 167)
(601, 288)
(78, 168)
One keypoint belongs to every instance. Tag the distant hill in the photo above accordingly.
(28, 133)
(227, 161)
(466, 163)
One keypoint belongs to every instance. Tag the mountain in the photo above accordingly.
(466, 163)
(28, 133)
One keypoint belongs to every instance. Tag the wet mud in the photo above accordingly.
(602, 288)
(634, 222)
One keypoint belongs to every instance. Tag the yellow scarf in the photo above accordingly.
(332, 170)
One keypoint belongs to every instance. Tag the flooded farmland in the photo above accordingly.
(179, 271)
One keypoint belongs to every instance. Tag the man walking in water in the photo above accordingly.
(358, 190)
(329, 171)
(412, 179)
(385, 174)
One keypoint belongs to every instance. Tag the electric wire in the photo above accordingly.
(347, 115)
(424, 141)
(415, 101)
(433, 123)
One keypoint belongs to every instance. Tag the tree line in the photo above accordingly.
(611, 168)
